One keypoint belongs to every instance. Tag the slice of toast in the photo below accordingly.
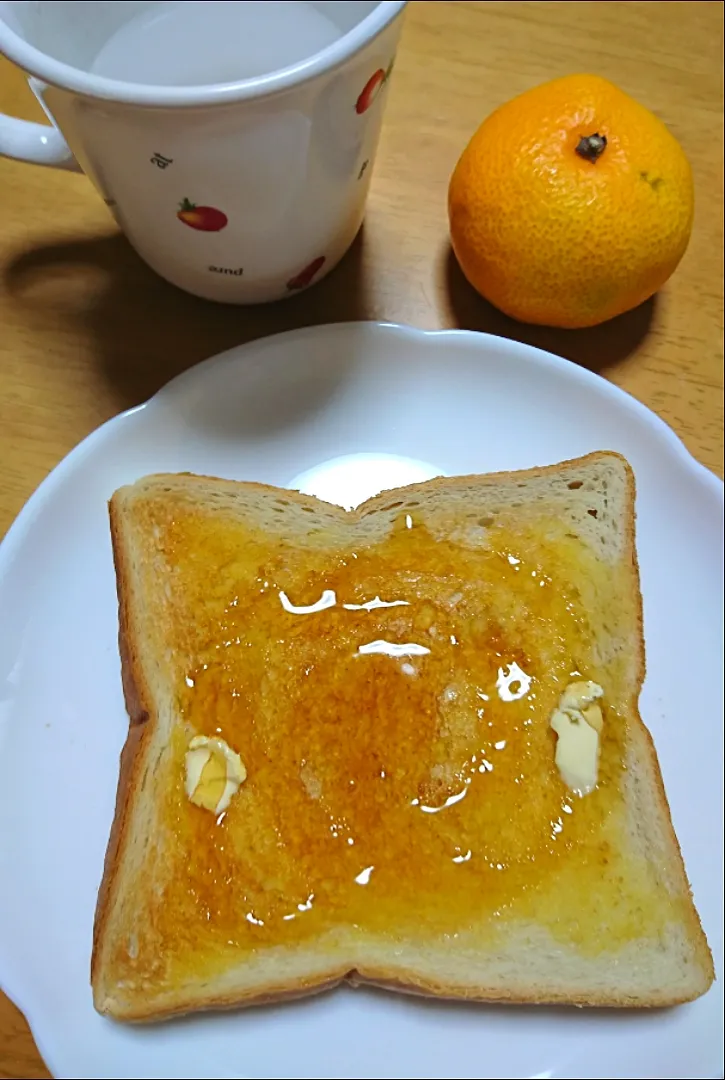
(395, 806)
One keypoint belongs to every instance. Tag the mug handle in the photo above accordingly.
(39, 144)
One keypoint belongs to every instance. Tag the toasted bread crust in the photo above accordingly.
(138, 706)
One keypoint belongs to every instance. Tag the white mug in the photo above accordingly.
(241, 191)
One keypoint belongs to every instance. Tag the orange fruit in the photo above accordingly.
(571, 204)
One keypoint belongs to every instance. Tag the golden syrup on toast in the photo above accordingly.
(399, 756)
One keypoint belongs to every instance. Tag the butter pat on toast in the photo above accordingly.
(398, 745)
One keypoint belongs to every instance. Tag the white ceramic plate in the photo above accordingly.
(344, 410)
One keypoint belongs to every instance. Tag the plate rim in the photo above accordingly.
(598, 383)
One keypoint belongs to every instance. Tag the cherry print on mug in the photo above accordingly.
(372, 88)
(203, 218)
(304, 278)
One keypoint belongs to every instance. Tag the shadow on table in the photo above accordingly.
(144, 330)
(596, 348)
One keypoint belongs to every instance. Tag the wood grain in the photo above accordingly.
(86, 330)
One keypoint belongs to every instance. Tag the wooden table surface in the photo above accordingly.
(86, 330)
